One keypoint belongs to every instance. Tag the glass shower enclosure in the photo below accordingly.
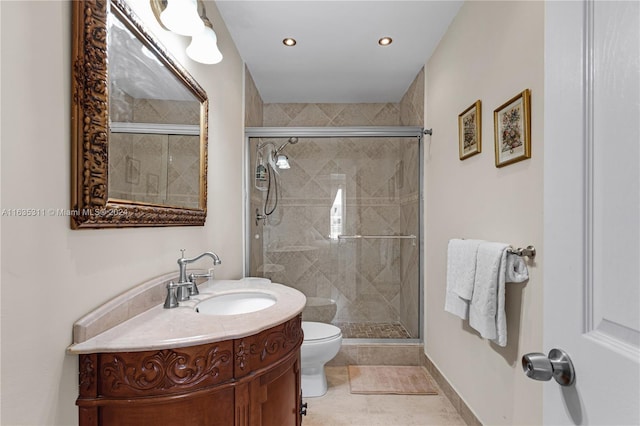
(335, 213)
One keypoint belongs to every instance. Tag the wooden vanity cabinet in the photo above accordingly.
(251, 381)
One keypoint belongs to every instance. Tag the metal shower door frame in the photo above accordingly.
(345, 132)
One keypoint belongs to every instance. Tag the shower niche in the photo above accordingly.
(338, 218)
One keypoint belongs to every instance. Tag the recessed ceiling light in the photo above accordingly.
(289, 41)
(385, 41)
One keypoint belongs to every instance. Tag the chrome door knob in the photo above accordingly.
(537, 366)
(557, 364)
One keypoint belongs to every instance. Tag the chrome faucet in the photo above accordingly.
(186, 286)
(183, 262)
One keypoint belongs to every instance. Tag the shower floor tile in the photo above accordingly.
(351, 330)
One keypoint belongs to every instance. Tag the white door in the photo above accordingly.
(592, 209)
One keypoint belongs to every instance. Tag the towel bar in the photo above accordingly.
(530, 251)
(381, 237)
(388, 237)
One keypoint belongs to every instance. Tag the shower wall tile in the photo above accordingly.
(183, 171)
(410, 178)
(352, 115)
(389, 115)
(162, 111)
(410, 262)
(331, 110)
(321, 115)
(411, 114)
(120, 105)
(380, 220)
(412, 103)
(365, 277)
(129, 109)
(308, 116)
(155, 169)
(252, 101)
(293, 110)
(137, 156)
(370, 111)
(274, 116)
(120, 148)
(139, 167)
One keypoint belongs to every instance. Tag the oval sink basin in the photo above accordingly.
(235, 303)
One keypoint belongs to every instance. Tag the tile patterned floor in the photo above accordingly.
(338, 407)
(372, 330)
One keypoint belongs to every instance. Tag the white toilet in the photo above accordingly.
(321, 344)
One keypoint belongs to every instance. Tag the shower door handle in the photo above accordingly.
(259, 217)
(557, 364)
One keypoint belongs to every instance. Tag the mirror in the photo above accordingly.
(139, 126)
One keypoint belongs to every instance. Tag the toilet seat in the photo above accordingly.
(316, 332)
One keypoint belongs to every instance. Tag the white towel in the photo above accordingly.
(515, 272)
(461, 271)
(488, 292)
(495, 266)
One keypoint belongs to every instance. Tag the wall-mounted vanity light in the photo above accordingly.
(181, 17)
(204, 46)
(189, 18)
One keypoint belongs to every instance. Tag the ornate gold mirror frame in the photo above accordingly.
(91, 206)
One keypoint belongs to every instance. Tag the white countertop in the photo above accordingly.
(159, 328)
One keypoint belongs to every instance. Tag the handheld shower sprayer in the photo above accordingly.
(268, 173)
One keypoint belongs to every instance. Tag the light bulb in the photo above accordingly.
(181, 17)
(204, 47)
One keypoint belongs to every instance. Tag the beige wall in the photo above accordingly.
(491, 52)
(51, 275)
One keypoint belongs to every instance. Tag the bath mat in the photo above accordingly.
(390, 379)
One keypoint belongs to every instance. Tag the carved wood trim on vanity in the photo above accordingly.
(233, 382)
(257, 351)
(165, 371)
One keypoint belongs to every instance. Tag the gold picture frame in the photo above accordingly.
(512, 129)
(470, 131)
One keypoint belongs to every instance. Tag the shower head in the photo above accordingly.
(292, 141)
(282, 161)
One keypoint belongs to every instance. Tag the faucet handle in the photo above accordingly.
(182, 251)
(193, 290)
(172, 297)
(207, 275)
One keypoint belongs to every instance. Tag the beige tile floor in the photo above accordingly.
(339, 407)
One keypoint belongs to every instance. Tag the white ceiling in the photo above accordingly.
(337, 58)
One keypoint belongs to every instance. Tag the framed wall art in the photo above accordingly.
(512, 129)
(469, 131)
